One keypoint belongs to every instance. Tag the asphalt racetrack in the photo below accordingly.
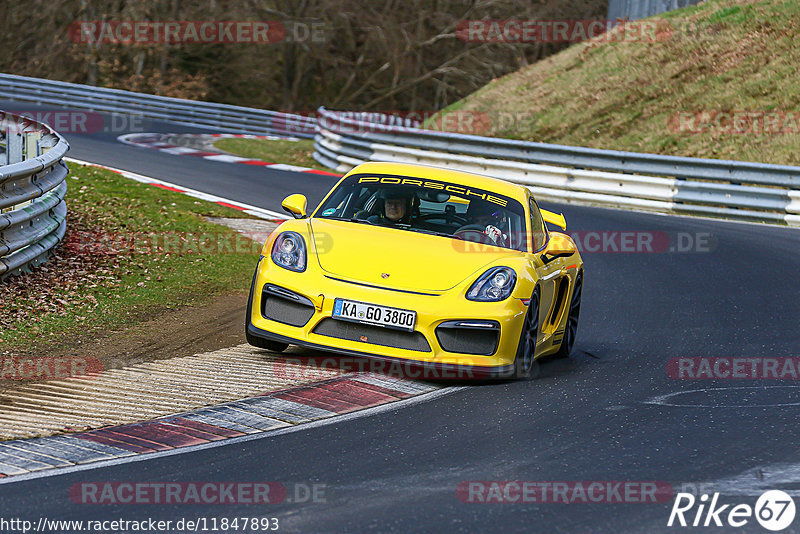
(611, 412)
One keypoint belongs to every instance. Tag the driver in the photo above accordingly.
(489, 218)
(397, 207)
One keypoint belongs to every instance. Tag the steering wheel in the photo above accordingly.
(472, 226)
(443, 216)
(474, 233)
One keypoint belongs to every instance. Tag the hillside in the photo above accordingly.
(670, 96)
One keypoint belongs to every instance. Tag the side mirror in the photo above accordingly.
(560, 246)
(295, 205)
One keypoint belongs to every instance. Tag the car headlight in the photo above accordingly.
(289, 251)
(494, 285)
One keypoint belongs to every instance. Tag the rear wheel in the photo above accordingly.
(523, 362)
(574, 313)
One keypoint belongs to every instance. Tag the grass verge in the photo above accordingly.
(276, 151)
(721, 56)
(131, 252)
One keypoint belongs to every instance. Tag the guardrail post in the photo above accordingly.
(14, 154)
(32, 148)
(29, 149)
(13, 147)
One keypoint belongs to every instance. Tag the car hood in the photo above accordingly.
(413, 261)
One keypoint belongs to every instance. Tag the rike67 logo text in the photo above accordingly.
(774, 510)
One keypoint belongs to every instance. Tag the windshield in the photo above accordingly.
(428, 206)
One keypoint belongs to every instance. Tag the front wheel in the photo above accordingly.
(523, 362)
(571, 328)
(266, 344)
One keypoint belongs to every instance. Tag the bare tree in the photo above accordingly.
(358, 54)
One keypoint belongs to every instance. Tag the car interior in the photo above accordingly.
(431, 212)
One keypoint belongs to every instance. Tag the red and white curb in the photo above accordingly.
(228, 203)
(157, 141)
(274, 412)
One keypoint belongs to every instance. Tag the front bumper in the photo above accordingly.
(399, 367)
(433, 309)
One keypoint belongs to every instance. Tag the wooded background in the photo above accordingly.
(375, 55)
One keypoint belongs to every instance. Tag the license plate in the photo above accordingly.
(361, 312)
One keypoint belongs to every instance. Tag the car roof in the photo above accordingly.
(494, 185)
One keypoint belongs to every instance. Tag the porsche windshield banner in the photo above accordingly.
(460, 190)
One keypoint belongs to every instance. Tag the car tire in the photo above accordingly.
(526, 348)
(266, 344)
(573, 314)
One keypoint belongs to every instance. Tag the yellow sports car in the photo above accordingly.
(423, 266)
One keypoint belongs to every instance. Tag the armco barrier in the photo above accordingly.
(33, 214)
(220, 117)
(715, 188)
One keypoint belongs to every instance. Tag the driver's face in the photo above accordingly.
(395, 208)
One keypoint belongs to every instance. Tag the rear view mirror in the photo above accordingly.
(433, 196)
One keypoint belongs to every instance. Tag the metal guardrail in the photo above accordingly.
(715, 188)
(33, 214)
(221, 117)
(639, 9)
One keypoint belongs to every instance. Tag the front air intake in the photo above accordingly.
(477, 337)
(284, 306)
